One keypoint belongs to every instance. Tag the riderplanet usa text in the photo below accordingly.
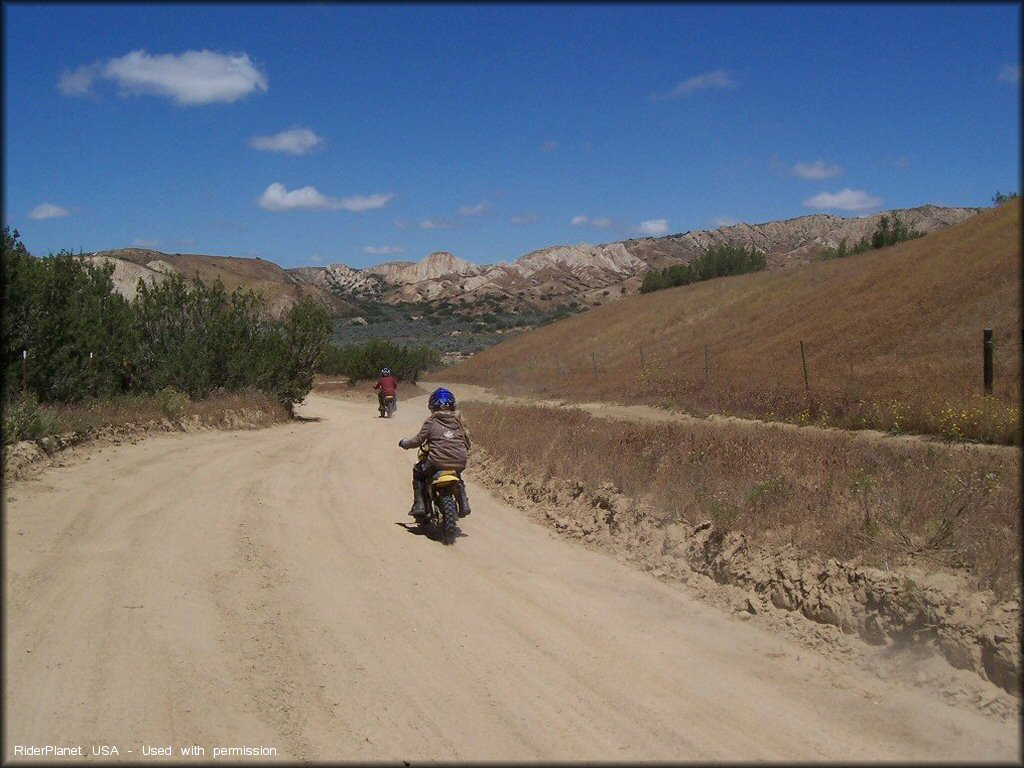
(48, 750)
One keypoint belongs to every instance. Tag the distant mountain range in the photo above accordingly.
(588, 275)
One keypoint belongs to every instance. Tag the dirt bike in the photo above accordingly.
(387, 406)
(443, 500)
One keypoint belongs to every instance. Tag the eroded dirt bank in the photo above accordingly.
(912, 609)
(924, 607)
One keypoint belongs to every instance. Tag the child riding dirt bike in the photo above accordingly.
(449, 444)
(388, 388)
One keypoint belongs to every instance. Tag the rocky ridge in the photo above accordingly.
(583, 274)
(595, 274)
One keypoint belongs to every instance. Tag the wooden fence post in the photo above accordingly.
(987, 336)
(24, 370)
(803, 359)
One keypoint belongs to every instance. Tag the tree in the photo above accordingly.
(290, 353)
(718, 261)
(63, 311)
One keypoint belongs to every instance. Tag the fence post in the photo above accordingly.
(803, 360)
(705, 363)
(987, 336)
(24, 370)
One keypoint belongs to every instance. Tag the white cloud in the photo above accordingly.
(723, 221)
(602, 223)
(816, 171)
(79, 81)
(846, 200)
(436, 223)
(474, 210)
(549, 146)
(316, 258)
(654, 227)
(192, 77)
(526, 218)
(140, 243)
(277, 198)
(361, 203)
(296, 141)
(1010, 73)
(717, 79)
(49, 211)
(383, 249)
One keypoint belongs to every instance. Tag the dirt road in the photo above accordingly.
(650, 413)
(262, 589)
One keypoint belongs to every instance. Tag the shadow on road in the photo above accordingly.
(297, 417)
(425, 529)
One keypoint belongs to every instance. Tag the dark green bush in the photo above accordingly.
(889, 231)
(23, 419)
(59, 310)
(84, 339)
(364, 361)
(719, 261)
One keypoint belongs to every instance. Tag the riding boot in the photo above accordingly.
(419, 508)
(463, 500)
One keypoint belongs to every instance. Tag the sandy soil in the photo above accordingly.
(263, 588)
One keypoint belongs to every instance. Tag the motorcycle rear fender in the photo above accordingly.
(446, 477)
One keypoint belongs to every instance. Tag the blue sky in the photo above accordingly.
(313, 134)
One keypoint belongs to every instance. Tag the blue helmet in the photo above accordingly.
(441, 400)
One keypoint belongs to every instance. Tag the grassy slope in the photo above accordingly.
(895, 333)
(263, 277)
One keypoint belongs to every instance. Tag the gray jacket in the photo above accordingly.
(448, 438)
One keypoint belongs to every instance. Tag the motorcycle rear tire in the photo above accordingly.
(449, 518)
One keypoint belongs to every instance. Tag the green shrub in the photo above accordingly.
(364, 361)
(172, 402)
(289, 354)
(25, 420)
(60, 309)
(719, 261)
(889, 231)
(83, 339)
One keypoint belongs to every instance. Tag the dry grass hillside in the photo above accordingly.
(892, 340)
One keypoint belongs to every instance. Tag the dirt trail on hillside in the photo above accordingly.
(474, 392)
(263, 589)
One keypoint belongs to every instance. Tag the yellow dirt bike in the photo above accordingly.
(442, 502)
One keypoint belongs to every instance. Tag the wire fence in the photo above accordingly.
(989, 365)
